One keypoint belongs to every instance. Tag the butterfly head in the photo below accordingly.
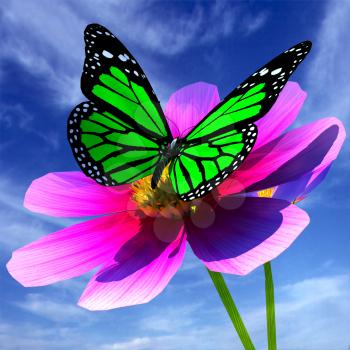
(173, 143)
(174, 148)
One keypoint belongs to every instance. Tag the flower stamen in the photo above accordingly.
(162, 200)
(267, 193)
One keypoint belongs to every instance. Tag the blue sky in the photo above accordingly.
(177, 43)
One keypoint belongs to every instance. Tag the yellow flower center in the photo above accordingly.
(162, 200)
(268, 193)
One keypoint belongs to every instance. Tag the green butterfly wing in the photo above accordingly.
(108, 149)
(114, 80)
(118, 136)
(223, 139)
(202, 166)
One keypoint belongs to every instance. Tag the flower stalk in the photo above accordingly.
(231, 309)
(270, 308)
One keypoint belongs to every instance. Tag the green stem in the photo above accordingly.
(231, 309)
(270, 308)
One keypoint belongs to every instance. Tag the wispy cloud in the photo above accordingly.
(16, 117)
(46, 37)
(305, 309)
(327, 80)
(18, 225)
(328, 88)
(252, 23)
(57, 311)
(172, 320)
(133, 344)
(40, 37)
(196, 338)
(19, 335)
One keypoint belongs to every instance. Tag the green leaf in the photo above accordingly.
(231, 309)
(270, 308)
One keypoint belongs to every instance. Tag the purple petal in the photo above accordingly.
(298, 189)
(281, 115)
(315, 180)
(140, 270)
(289, 157)
(187, 106)
(292, 190)
(241, 239)
(72, 194)
(72, 251)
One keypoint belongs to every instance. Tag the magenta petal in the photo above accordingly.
(256, 231)
(72, 194)
(187, 106)
(138, 272)
(281, 115)
(287, 158)
(72, 251)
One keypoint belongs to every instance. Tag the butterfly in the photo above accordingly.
(121, 134)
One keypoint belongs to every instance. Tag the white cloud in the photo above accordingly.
(40, 36)
(312, 314)
(328, 87)
(29, 336)
(316, 315)
(254, 22)
(74, 286)
(46, 37)
(15, 232)
(327, 80)
(16, 116)
(133, 344)
(172, 320)
(19, 226)
(57, 311)
(194, 338)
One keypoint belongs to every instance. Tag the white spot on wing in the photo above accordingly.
(263, 71)
(122, 58)
(107, 54)
(276, 71)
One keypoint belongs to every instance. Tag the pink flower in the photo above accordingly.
(140, 238)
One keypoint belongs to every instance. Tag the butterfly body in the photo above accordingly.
(168, 155)
(121, 134)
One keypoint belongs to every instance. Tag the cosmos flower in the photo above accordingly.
(139, 239)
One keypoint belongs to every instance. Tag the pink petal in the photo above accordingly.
(187, 106)
(281, 115)
(333, 152)
(287, 158)
(139, 272)
(72, 251)
(246, 233)
(72, 194)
